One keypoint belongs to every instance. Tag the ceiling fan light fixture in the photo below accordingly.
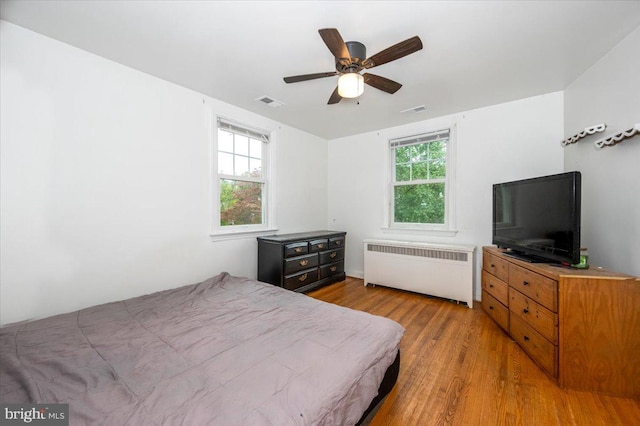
(350, 85)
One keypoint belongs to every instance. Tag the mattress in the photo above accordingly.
(227, 351)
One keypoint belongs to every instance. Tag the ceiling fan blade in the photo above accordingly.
(336, 45)
(335, 97)
(394, 52)
(305, 77)
(381, 83)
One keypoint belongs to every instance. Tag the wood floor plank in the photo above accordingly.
(459, 368)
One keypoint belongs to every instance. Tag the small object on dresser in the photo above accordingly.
(584, 260)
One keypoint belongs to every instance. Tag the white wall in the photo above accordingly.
(105, 181)
(609, 92)
(503, 142)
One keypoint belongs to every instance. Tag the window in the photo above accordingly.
(241, 179)
(420, 194)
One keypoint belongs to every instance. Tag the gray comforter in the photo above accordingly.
(226, 351)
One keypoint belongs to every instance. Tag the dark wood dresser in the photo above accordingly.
(302, 261)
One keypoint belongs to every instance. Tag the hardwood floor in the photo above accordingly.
(458, 367)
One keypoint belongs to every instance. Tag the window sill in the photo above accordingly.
(420, 231)
(241, 234)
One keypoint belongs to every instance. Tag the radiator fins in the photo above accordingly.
(419, 252)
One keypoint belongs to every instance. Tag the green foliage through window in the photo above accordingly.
(241, 176)
(419, 178)
(419, 203)
(240, 203)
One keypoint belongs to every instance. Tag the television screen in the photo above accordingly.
(539, 218)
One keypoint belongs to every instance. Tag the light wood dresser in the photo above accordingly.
(582, 327)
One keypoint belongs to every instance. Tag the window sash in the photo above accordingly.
(241, 178)
(256, 134)
(424, 138)
(439, 135)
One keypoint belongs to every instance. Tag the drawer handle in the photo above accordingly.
(297, 249)
(338, 242)
(490, 285)
(493, 266)
(491, 307)
(320, 245)
(303, 277)
(525, 282)
(526, 338)
(304, 262)
(333, 268)
(525, 311)
(334, 254)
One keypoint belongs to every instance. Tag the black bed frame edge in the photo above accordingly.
(388, 381)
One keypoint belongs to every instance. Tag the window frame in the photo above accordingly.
(448, 228)
(268, 218)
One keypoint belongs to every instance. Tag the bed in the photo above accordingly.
(227, 351)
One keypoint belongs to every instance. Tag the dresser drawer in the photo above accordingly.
(497, 288)
(331, 269)
(537, 316)
(496, 310)
(495, 266)
(292, 282)
(296, 249)
(295, 264)
(543, 353)
(331, 256)
(541, 289)
(318, 245)
(336, 242)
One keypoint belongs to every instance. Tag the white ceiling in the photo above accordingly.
(476, 53)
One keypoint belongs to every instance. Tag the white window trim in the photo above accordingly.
(218, 232)
(448, 229)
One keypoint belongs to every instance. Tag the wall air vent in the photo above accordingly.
(270, 102)
(416, 109)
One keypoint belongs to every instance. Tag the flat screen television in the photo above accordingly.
(538, 219)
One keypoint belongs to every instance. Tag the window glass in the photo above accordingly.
(255, 148)
(419, 203)
(225, 163)
(241, 179)
(419, 187)
(241, 165)
(241, 145)
(240, 203)
(225, 141)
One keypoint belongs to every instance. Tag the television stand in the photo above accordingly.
(581, 326)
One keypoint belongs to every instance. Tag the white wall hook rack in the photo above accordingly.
(619, 137)
(587, 131)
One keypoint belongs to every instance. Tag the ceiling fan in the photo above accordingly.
(351, 58)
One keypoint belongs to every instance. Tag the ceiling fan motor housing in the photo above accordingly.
(358, 53)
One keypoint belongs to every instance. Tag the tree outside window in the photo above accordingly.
(419, 165)
(241, 177)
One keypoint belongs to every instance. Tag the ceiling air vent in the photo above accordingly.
(416, 109)
(270, 102)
